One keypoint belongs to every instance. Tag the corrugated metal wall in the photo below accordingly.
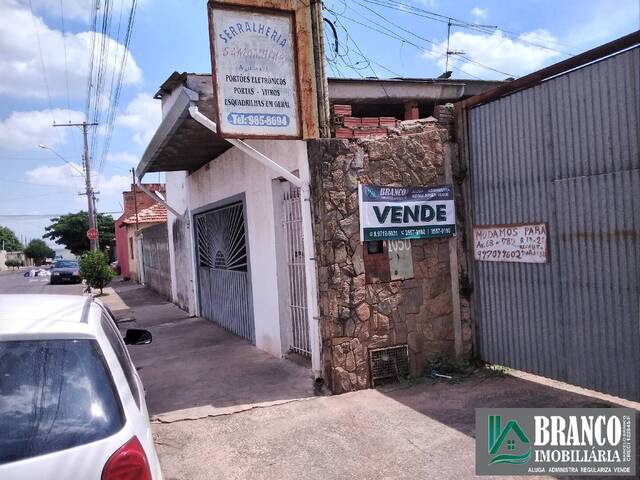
(565, 152)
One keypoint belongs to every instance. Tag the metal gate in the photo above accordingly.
(292, 225)
(565, 152)
(223, 278)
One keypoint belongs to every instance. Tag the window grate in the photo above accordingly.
(389, 364)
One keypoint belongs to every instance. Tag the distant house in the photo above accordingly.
(133, 200)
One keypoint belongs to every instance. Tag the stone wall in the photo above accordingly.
(356, 316)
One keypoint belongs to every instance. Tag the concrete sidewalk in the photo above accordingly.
(223, 409)
(193, 368)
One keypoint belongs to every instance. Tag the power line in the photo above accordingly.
(46, 215)
(486, 29)
(42, 64)
(64, 44)
(11, 180)
(391, 34)
(25, 197)
(399, 37)
(115, 98)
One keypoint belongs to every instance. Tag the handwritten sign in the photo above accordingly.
(254, 73)
(523, 243)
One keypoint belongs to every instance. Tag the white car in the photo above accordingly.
(72, 405)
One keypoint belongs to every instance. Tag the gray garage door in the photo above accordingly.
(223, 274)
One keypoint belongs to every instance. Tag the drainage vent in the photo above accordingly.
(389, 364)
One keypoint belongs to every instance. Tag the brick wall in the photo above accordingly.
(144, 200)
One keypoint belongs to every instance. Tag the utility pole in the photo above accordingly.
(450, 52)
(86, 163)
(322, 87)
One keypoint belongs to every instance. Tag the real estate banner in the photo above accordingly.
(397, 213)
(556, 441)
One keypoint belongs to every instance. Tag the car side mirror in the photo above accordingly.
(136, 336)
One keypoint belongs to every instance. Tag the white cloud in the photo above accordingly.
(123, 158)
(65, 175)
(25, 130)
(60, 175)
(77, 9)
(142, 115)
(20, 62)
(517, 56)
(603, 22)
(114, 185)
(480, 12)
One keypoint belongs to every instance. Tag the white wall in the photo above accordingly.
(230, 174)
(180, 243)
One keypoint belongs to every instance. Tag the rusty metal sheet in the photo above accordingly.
(376, 265)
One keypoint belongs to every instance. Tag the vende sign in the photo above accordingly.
(396, 213)
(253, 55)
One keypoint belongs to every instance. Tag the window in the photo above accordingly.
(54, 395)
(131, 247)
(114, 338)
(65, 264)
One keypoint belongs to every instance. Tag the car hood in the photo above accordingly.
(64, 270)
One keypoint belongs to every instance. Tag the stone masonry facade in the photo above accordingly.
(356, 316)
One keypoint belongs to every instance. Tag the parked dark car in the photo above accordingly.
(65, 271)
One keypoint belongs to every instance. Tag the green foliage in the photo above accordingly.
(71, 231)
(95, 269)
(446, 365)
(11, 242)
(14, 262)
(38, 250)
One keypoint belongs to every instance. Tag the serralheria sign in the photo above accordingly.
(254, 72)
(396, 213)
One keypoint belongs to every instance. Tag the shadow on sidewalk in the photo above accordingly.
(196, 367)
(454, 404)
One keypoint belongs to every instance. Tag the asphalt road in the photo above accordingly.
(18, 283)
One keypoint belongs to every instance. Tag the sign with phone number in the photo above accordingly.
(523, 243)
(254, 72)
(257, 119)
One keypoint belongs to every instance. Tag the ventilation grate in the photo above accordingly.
(389, 364)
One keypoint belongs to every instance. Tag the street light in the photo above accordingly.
(89, 192)
(61, 158)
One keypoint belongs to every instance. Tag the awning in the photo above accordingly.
(181, 143)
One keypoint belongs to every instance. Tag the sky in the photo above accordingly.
(45, 52)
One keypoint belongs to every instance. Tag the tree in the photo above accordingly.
(13, 263)
(9, 239)
(71, 231)
(95, 269)
(39, 251)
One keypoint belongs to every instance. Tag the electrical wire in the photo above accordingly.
(431, 42)
(115, 97)
(486, 29)
(381, 29)
(43, 66)
(64, 44)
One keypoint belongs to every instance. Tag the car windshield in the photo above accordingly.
(54, 395)
(66, 264)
